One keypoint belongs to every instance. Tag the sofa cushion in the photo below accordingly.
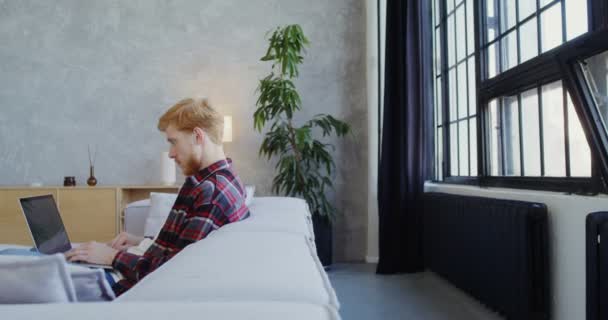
(160, 207)
(271, 220)
(136, 214)
(249, 192)
(29, 279)
(267, 310)
(281, 205)
(240, 266)
(277, 214)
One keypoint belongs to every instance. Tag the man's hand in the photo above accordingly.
(92, 252)
(124, 241)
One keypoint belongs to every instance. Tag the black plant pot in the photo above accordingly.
(324, 239)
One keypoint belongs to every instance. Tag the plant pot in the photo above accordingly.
(324, 240)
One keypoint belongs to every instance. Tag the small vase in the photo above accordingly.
(92, 181)
(69, 181)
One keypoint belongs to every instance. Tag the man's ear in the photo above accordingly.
(199, 136)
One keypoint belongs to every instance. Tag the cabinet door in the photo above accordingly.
(13, 227)
(88, 214)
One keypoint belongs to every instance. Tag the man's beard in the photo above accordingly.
(191, 166)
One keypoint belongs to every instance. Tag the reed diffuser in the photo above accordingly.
(92, 181)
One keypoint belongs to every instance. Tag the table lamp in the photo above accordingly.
(227, 137)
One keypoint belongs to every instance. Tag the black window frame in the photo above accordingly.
(444, 69)
(560, 63)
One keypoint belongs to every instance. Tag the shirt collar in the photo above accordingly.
(206, 172)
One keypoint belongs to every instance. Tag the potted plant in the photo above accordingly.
(305, 164)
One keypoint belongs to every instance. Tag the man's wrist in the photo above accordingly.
(113, 256)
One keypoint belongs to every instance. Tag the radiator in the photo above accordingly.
(493, 249)
(597, 265)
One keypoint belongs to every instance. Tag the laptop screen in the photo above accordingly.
(45, 224)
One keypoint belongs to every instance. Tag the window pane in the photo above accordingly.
(453, 102)
(439, 153)
(472, 92)
(438, 102)
(494, 139)
(436, 12)
(460, 31)
(470, 27)
(509, 50)
(529, 40)
(462, 90)
(526, 8)
(576, 18)
(551, 25)
(595, 70)
(453, 149)
(530, 132)
(463, 137)
(437, 51)
(451, 43)
(511, 136)
(553, 129)
(580, 155)
(545, 2)
(507, 12)
(492, 61)
(450, 5)
(473, 145)
(491, 21)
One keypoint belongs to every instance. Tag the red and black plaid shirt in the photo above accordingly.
(208, 200)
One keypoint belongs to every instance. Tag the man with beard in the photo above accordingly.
(211, 196)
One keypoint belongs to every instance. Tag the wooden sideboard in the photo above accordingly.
(88, 213)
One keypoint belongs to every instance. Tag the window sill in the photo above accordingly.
(578, 186)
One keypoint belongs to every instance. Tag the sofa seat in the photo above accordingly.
(259, 310)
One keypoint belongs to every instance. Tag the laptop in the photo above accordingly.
(46, 227)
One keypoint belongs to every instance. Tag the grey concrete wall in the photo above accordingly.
(75, 72)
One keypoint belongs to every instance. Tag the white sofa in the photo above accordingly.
(264, 267)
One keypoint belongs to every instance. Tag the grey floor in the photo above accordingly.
(424, 296)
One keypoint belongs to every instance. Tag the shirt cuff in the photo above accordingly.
(125, 263)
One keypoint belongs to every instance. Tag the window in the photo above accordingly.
(512, 29)
(537, 133)
(513, 88)
(454, 70)
(595, 70)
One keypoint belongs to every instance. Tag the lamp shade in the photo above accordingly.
(167, 169)
(227, 129)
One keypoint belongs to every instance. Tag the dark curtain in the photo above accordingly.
(406, 144)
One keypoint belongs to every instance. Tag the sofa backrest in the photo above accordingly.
(240, 266)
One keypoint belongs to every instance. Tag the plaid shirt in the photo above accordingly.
(208, 200)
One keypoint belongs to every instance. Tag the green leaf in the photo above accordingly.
(303, 137)
(304, 165)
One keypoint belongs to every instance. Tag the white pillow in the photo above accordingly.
(160, 207)
(136, 214)
(27, 279)
(249, 191)
(90, 284)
